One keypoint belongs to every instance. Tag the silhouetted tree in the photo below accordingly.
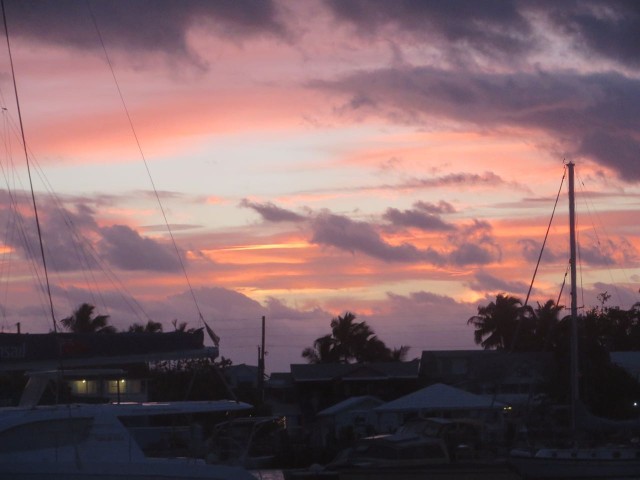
(181, 327)
(351, 341)
(495, 324)
(547, 324)
(400, 354)
(150, 327)
(83, 321)
(321, 352)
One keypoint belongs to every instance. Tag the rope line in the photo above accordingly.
(144, 160)
(26, 156)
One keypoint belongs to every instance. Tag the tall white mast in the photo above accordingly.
(574, 372)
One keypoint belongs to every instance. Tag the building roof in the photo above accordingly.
(318, 372)
(439, 397)
(366, 401)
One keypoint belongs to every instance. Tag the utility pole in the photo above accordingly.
(261, 363)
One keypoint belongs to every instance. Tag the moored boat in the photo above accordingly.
(91, 441)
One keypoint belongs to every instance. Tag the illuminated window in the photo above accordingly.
(84, 387)
(115, 386)
(124, 386)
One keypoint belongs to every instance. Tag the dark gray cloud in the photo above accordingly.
(470, 245)
(531, 252)
(468, 253)
(594, 115)
(473, 244)
(272, 213)
(59, 227)
(503, 30)
(483, 282)
(354, 236)
(593, 255)
(441, 207)
(73, 240)
(610, 29)
(493, 28)
(452, 179)
(139, 25)
(127, 249)
(423, 216)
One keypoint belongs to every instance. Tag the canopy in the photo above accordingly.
(439, 397)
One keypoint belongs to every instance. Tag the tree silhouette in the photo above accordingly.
(547, 324)
(350, 337)
(400, 354)
(495, 325)
(150, 327)
(351, 341)
(83, 321)
(321, 352)
(181, 327)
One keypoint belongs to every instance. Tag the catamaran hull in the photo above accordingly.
(161, 470)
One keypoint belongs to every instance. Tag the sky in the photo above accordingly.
(398, 160)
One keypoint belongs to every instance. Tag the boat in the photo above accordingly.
(98, 441)
(394, 451)
(421, 448)
(251, 442)
(576, 460)
(92, 441)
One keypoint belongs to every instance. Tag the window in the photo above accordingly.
(124, 387)
(116, 386)
(84, 387)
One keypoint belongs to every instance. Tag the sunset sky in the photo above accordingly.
(396, 159)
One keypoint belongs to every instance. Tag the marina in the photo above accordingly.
(328, 275)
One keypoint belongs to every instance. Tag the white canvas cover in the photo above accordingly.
(439, 397)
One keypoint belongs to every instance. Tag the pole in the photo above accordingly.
(575, 387)
(261, 362)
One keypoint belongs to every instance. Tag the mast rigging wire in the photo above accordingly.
(87, 254)
(535, 272)
(144, 160)
(26, 156)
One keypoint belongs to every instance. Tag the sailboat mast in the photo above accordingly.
(575, 393)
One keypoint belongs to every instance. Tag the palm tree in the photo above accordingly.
(321, 352)
(181, 327)
(351, 341)
(400, 354)
(350, 337)
(547, 324)
(150, 327)
(83, 321)
(496, 323)
(373, 350)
